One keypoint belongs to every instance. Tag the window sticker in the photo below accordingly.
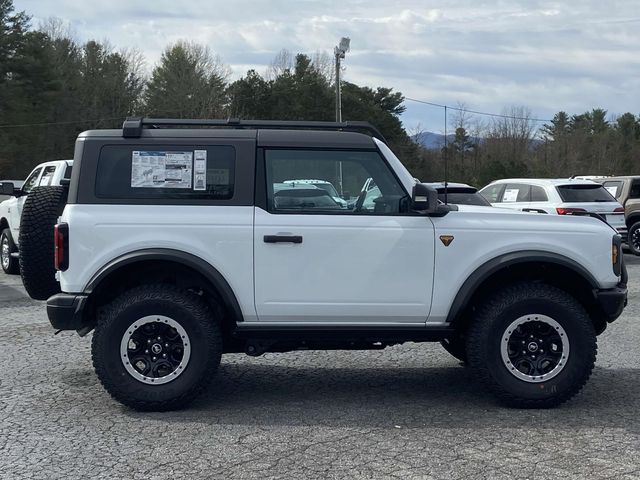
(151, 169)
(200, 170)
(510, 195)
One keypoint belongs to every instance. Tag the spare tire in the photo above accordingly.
(40, 213)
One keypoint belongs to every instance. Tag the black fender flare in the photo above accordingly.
(194, 262)
(483, 272)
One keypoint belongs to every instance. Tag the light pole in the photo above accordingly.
(339, 52)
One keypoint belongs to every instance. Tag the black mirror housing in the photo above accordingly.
(424, 200)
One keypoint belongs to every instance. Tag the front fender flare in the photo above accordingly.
(482, 273)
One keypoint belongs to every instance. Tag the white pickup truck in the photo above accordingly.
(46, 174)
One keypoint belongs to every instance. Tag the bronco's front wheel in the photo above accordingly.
(156, 347)
(533, 344)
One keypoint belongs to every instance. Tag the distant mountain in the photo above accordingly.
(435, 141)
(431, 140)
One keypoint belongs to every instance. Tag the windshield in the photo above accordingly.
(584, 193)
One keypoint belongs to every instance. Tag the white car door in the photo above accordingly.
(317, 262)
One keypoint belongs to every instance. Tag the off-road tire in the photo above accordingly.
(186, 308)
(486, 331)
(40, 213)
(456, 347)
(12, 266)
(633, 238)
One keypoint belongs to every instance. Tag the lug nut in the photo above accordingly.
(166, 345)
(164, 355)
(149, 341)
(146, 351)
(159, 338)
(154, 359)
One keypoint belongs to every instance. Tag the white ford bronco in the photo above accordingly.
(175, 247)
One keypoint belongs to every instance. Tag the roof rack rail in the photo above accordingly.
(133, 126)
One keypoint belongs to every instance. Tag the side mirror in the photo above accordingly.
(7, 188)
(424, 200)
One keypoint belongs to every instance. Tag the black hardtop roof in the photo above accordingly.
(266, 133)
(133, 127)
(263, 138)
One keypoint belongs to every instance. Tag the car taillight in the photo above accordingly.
(569, 211)
(618, 210)
(61, 243)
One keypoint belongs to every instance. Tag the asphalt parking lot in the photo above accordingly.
(409, 411)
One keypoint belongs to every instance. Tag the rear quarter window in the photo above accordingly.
(166, 172)
(584, 193)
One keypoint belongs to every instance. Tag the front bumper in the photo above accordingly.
(612, 301)
(65, 311)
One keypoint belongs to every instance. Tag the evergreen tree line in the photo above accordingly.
(52, 87)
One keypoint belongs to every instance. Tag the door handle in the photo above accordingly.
(283, 239)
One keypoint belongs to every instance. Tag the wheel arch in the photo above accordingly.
(3, 224)
(169, 263)
(540, 266)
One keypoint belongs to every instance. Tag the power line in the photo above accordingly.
(460, 109)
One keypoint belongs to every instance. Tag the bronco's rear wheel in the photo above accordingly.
(156, 347)
(533, 344)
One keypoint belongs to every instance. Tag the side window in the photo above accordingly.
(493, 193)
(47, 176)
(31, 182)
(635, 189)
(538, 194)
(516, 192)
(613, 187)
(160, 172)
(363, 182)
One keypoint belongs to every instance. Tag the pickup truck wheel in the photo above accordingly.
(40, 213)
(634, 238)
(156, 347)
(7, 247)
(533, 344)
(456, 347)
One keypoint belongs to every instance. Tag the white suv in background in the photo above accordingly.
(556, 196)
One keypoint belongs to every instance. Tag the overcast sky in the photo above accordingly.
(548, 56)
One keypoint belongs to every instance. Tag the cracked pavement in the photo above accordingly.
(409, 411)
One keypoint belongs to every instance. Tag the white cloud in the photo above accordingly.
(542, 54)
